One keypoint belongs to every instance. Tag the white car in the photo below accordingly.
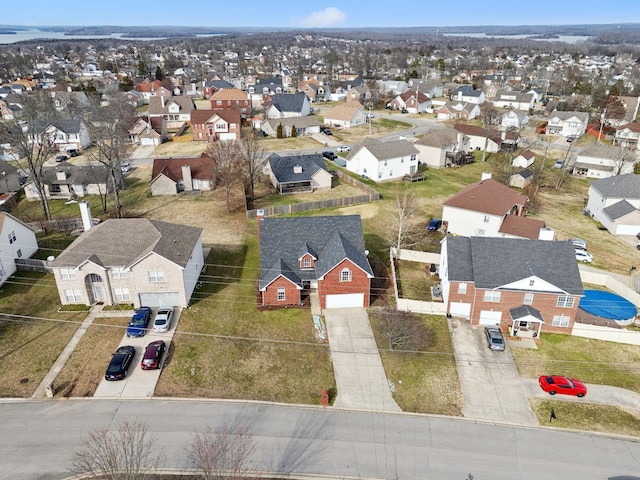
(343, 148)
(579, 244)
(162, 321)
(583, 256)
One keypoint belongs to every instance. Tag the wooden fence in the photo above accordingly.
(60, 225)
(369, 195)
(33, 265)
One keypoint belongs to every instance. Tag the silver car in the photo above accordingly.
(495, 339)
(162, 321)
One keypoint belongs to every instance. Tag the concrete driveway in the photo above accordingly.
(492, 389)
(360, 377)
(138, 383)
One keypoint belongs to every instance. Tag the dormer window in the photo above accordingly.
(306, 261)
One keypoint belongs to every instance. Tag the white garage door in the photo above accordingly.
(489, 317)
(347, 300)
(166, 299)
(227, 136)
(626, 229)
(460, 310)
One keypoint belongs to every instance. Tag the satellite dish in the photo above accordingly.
(50, 258)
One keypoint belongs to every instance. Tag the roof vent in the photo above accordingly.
(297, 169)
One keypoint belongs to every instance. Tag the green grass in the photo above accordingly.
(226, 348)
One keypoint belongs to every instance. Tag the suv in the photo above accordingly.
(434, 225)
(579, 243)
(329, 155)
(61, 158)
(495, 339)
(139, 322)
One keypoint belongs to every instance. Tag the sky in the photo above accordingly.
(345, 14)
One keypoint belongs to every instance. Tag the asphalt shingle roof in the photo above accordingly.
(387, 150)
(283, 167)
(289, 102)
(621, 186)
(618, 209)
(487, 196)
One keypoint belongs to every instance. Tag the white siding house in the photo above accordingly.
(17, 240)
(383, 161)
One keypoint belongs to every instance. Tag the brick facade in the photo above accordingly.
(270, 294)
(331, 284)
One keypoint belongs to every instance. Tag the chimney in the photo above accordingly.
(162, 100)
(186, 178)
(85, 213)
(297, 169)
(259, 217)
(546, 233)
(485, 176)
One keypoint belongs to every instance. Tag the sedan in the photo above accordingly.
(61, 158)
(162, 322)
(495, 339)
(120, 363)
(553, 384)
(139, 321)
(583, 256)
(343, 148)
(152, 355)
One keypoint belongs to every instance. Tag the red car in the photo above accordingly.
(553, 384)
(152, 355)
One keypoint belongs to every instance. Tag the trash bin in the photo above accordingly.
(324, 398)
(49, 390)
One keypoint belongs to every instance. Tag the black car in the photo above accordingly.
(61, 158)
(120, 363)
(326, 131)
(329, 155)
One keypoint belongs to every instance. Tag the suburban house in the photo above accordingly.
(494, 140)
(212, 125)
(171, 176)
(324, 254)
(345, 115)
(11, 180)
(260, 94)
(383, 161)
(148, 88)
(232, 98)
(514, 100)
(148, 131)
(467, 94)
(599, 161)
(131, 261)
(615, 203)
(435, 144)
(412, 101)
(70, 134)
(67, 181)
(524, 286)
(17, 241)
(630, 105)
(297, 173)
(455, 110)
(287, 105)
(627, 135)
(524, 160)
(175, 110)
(316, 91)
(514, 119)
(393, 87)
(302, 125)
(489, 209)
(567, 124)
(213, 86)
(432, 88)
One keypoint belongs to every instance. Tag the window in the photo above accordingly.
(118, 272)
(528, 299)
(413, 158)
(560, 321)
(462, 288)
(12, 237)
(345, 275)
(306, 263)
(156, 276)
(219, 103)
(531, 282)
(71, 295)
(19, 253)
(67, 273)
(221, 126)
(486, 219)
(492, 296)
(121, 294)
(281, 294)
(564, 301)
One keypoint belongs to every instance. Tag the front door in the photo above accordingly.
(97, 288)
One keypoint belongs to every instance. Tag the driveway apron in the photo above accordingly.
(491, 386)
(360, 376)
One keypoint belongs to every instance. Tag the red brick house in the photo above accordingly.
(232, 99)
(212, 125)
(525, 286)
(326, 254)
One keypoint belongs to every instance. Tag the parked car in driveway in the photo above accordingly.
(553, 384)
(153, 355)
(326, 131)
(582, 256)
(139, 322)
(343, 148)
(329, 155)
(120, 363)
(61, 158)
(495, 339)
(162, 320)
(558, 164)
(434, 224)
(579, 243)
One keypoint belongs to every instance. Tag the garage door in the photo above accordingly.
(626, 229)
(490, 317)
(347, 300)
(227, 136)
(166, 299)
(460, 310)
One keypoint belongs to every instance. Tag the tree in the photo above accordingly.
(159, 73)
(252, 162)
(488, 115)
(405, 232)
(223, 454)
(294, 131)
(279, 131)
(227, 157)
(33, 140)
(403, 330)
(129, 453)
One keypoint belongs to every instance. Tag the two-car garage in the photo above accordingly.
(345, 300)
(163, 299)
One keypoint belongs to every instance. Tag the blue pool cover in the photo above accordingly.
(607, 305)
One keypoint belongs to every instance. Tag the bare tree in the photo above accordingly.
(489, 115)
(252, 161)
(227, 156)
(622, 158)
(32, 139)
(128, 453)
(405, 232)
(403, 330)
(223, 454)
(108, 124)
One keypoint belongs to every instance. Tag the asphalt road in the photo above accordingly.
(39, 437)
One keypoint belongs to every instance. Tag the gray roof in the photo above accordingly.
(492, 262)
(123, 242)
(219, 84)
(289, 102)
(77, 174)
(582, 116)
(620, 186)
(71, 125)
(330, 239)
(618, 210)
(524, 311)
(283, 167)
(600, 150)
(439, 137)
(386, 150)
(298, 122)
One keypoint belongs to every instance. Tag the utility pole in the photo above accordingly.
(602, 120)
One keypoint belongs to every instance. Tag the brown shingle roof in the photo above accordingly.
(202, 167)
(229, 94)
(522, 226)
(487, 196)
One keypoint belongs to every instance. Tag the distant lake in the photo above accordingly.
(561, 38)
(35, 34)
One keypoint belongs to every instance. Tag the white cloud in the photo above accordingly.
(328, 17)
